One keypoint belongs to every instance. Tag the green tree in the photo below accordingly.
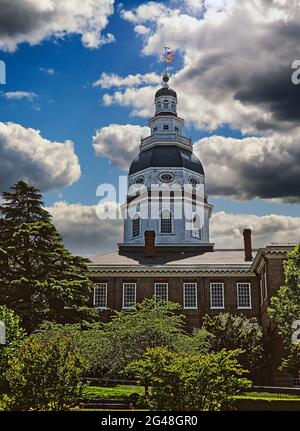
(46, 373)
(232, 332)
(14, 335)
(285, 309)
(184, 382)
(39, 278)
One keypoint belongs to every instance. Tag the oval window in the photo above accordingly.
(139, 180)
(166, 177)
(194, 181)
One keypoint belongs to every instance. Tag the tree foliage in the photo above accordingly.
(39, 278)
(236, 332)
(183, 382)
(285, 309)
(46, 373)
(14, 335)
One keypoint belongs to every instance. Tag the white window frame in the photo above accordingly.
(216, 284)
(98, 286)
(185, 285)
(131, 307)
(161, 222)
(156, 285)
(243, 285)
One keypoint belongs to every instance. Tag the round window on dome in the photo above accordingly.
(194, 181)
(166, 177)
(139, 180)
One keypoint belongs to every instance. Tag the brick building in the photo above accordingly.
(171, 258)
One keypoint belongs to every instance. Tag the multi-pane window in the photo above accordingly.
(197, 231)
(161, 291)
(129, 295)
(217, 295)
(190, 295)
(100, 295)
(166, 222)
(244, 295)
(136, 227)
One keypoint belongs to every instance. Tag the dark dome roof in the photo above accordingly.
(165, 91)
(162, 156)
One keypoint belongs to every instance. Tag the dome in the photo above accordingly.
(162, 156)
(165, 91)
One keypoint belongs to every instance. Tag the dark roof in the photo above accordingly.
(165, 91)
(162, 156)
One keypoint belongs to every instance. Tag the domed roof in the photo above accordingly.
(162, 156)
(165, 91)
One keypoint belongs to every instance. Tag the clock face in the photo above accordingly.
(166, 177)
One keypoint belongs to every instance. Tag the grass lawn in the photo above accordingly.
(117, 392)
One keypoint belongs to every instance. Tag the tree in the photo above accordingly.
(285, 309)
(46, 373)
(14, 335)
(39, 278)
(236, 332)
(184, 382)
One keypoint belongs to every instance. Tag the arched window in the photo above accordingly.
(158, 106)
(166, 221)
(173, 107)
(166, 104)
(136, 226)
(197, 231)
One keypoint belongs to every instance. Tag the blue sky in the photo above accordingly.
(69, 107)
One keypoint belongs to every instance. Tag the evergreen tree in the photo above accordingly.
(39, 278)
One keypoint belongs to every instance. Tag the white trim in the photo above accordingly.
(132, 307)
(98, 286)
(243, 284)
(223, 297)
(167, 286)
(196, 296)
(266, 287)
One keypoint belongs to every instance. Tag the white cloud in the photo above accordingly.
(227, 229)
(231, 83)
(83, 233)
(120, 143)
(48, 71)
(26, 155)
(18, 95)
(33, 21)
(112, 80)
(266, 167)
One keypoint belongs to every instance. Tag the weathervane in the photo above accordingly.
(168, 57)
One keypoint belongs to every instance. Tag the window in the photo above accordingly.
(166, 177)
(166, 104)
(176, 129)
(244, 295)
(129, 295)
(155, 129)
(217, 295)
(197, 231)
(161, 291)
(166, 127)
(173, 106)
(136, 226)
(297, 380)
(190, 295)
(100, 295)
(166, 222)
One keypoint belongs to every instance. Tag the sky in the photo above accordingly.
(80, 83)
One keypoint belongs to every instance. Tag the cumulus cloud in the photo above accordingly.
(245, 82)
(119, 143)
(86, 235)
(32, 21)
(113, 80)
(48, 71)
(265, 167)
(83, 233)
(18, 95)
(227, 229)
(26, 155)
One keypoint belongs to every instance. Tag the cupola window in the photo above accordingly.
(166, 104)
(136, 226)
(166, 127)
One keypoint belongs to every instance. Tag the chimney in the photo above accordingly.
(149, 243)
(248, 245)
